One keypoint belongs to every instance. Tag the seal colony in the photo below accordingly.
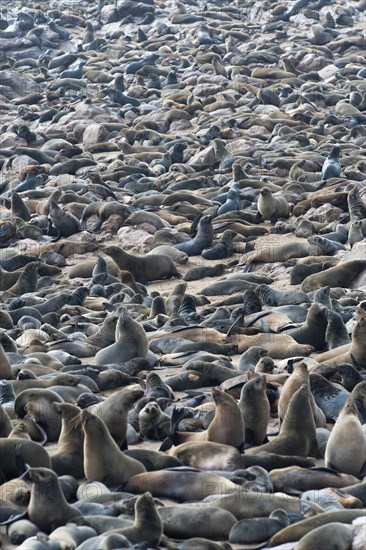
(182, 274)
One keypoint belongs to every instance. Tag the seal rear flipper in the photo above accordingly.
(14, 518)
(177, 416)
(236, 321)
(56, 238)
(98, 224)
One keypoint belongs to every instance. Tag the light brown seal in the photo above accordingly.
(103, 210)
(148, 526)
(297, 434)
(271, 207)
(130, 342)
(341, 275)
(227, 426)
(68, 458)
(114, 412)
(333, 535)
(208, 455)
(298, 530)
(181, 485)
(346, 448)
(111, 467)
(143, 268)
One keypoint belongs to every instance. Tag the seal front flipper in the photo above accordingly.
(98, 224)
(166, 445)
(177, 416)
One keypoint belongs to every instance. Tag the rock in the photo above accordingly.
(129, 7)
(326, 213)
(95, 133)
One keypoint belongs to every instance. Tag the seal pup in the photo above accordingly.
(355, 234)
(332, 167)
(153, 423)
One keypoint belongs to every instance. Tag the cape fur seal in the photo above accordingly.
(143, 268)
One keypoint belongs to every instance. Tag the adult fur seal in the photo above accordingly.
(148, 526)
(111, 467)
(65, 223)
(180, 484)
(255, 409)
(297, 434)
(298, 530)
(208, 455)
(114, 412)
(68, 458)
(186, 521)
(340, 275)
(39, 403)
(353, 354)
(346, 447)
(227, 426)
(313, 330)
(31, 452)
(103, 210)
(143, 268)
(48, 508)
(271, 207)
(202, 240)
(130, 342)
